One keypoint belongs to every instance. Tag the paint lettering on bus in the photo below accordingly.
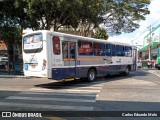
(118, 61)
(109, 61)
(59, 64)
(85, 46)
(55, 65)
(58, 60)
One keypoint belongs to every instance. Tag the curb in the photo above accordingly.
(12, 76)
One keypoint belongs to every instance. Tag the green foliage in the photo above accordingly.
(144, 64)
(119, 16)
(101, 34)
(123, 16)
(9, 22)
(57, 13)
(9, 26)
(9, 34)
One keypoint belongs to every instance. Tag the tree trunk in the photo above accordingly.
(8, 64)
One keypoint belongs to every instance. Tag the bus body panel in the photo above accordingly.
(49, 55)
(72, 65)
(56, 59)
(62, 73)
(68, 60)
(35, 63)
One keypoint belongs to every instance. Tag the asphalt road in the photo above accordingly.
(137, 92)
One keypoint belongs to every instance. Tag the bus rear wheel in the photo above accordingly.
(126, 71)
(91, 76)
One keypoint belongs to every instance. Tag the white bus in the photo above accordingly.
(62, 56)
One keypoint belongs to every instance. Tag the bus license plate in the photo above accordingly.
(33, 66)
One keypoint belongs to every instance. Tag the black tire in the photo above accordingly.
(91, 76)
(126, 71)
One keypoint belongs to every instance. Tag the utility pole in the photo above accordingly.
(150, 41)
(150, 37)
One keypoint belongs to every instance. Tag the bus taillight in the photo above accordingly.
(44, 64)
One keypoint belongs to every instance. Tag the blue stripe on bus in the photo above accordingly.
(80, 72)
(62, 73)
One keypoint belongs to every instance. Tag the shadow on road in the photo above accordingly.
(100, 80)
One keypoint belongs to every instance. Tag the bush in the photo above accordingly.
(144, 64)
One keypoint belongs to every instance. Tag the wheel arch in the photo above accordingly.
(94, 68)
(129, 67)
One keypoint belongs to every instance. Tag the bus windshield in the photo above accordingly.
(32, 43)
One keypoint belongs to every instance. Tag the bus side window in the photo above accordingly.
(56, 45)
(102, 49)
(72, 50)
(128, 51)
(99, 49)
(65, 50)
(108, 49)
(123, 51)
(130, 55)
(120, 50)
(85, 48)
(113, 50)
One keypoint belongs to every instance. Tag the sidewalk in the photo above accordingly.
(13, 74)
(152, 70)
(146, 68)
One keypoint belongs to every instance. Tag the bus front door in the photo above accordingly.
(69, 58)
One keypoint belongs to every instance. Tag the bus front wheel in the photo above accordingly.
(91, 75)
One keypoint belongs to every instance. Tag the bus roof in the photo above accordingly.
(79, 37)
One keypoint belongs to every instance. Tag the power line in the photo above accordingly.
(145, 30)
(155, 22)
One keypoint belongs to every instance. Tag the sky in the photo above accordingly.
(137, 36)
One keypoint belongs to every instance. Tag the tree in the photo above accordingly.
(118, 16)
(20, 14)
(123, 16)
(47, 14)
(8, 27)
(9, 35)
(101, 33)
(88, 15)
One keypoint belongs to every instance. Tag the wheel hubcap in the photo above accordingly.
(92, 75)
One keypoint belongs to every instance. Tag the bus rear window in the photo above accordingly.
(32, 43)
